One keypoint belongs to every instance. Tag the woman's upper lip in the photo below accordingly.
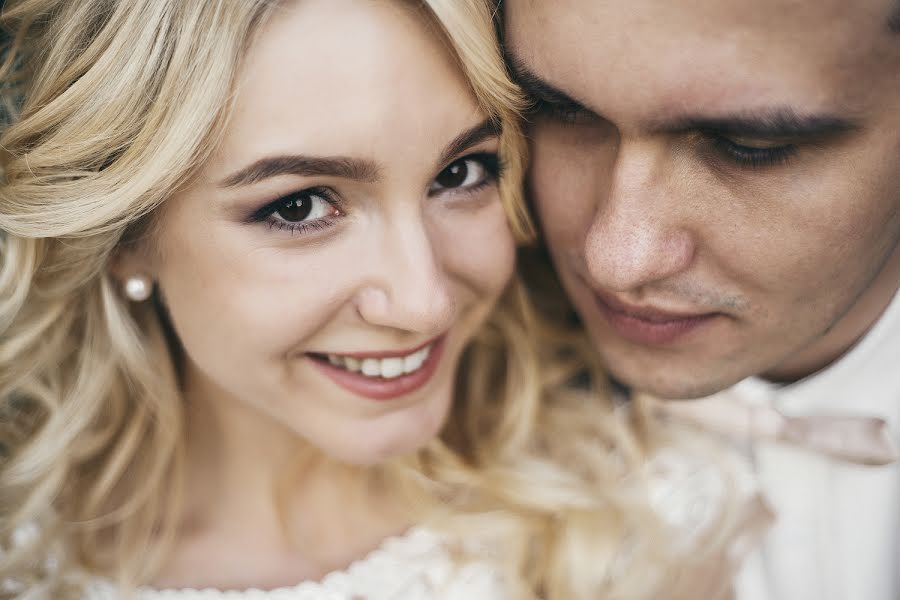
(385, 353)
(649, 313)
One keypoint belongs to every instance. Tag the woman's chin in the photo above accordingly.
(390, 436)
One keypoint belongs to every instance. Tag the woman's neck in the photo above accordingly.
(263, 509)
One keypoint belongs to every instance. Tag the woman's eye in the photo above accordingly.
(298, 211)
(467, 173)
(303, 206)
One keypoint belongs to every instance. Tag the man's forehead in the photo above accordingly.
(768, 14)
(811, 54)
(805, 24)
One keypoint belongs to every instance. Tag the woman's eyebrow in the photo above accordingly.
(346, 167)
(303, 165)
(489, 128)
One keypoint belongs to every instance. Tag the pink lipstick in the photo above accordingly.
(383, 375)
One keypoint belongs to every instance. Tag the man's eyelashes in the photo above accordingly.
(755, 155)
(743, 152)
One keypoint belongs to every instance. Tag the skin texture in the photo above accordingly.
(387, 269)
(641, 199)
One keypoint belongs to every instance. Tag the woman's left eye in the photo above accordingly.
(312, 208)
(468, 173)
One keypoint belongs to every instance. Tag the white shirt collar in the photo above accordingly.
(865, 381)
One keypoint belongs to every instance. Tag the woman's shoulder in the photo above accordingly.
(419, 565)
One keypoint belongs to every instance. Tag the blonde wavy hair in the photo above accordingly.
(114, 105)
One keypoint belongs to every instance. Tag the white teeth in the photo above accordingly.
(388, 368)
(371, 367)
(391, 367)
(414, 362)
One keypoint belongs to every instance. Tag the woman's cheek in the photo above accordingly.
(478, 248)
(248, 304)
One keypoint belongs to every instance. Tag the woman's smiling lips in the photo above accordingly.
(382, 375)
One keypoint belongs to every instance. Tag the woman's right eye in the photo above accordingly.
(313, 208)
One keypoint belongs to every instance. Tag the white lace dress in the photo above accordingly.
(416, 566)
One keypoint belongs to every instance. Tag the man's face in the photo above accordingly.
(718, 181)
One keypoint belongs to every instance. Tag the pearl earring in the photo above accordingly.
(138, 288)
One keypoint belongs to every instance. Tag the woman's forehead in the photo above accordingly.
(337, 77)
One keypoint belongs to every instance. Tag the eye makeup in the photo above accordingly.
(468, 174)
(317, 208)
(304, 211)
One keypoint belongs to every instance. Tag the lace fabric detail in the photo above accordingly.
(717, 513)
(416, 566)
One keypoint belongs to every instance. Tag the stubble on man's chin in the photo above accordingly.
(669, 382)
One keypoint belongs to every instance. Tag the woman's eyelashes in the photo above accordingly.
(467, 174)
(317, 208)
(300, 212)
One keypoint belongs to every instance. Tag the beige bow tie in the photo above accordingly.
(859, 440)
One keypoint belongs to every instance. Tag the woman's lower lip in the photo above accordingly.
(377, 388)
(643, 331)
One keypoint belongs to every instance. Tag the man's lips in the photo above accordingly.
(650, 324)
(648, 313)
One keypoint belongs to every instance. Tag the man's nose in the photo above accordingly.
(408, 288)
(639, 235)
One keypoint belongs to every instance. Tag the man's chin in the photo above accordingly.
(702, 366)
(669, 381)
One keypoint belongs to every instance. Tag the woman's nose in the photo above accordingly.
(407, 289)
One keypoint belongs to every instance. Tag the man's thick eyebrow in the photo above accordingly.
(301, 165)
(487, 129)
(779, 123)
(535, 87)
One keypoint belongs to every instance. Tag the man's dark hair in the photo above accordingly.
(894, 22)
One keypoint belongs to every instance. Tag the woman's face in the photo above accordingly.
(328, 265)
